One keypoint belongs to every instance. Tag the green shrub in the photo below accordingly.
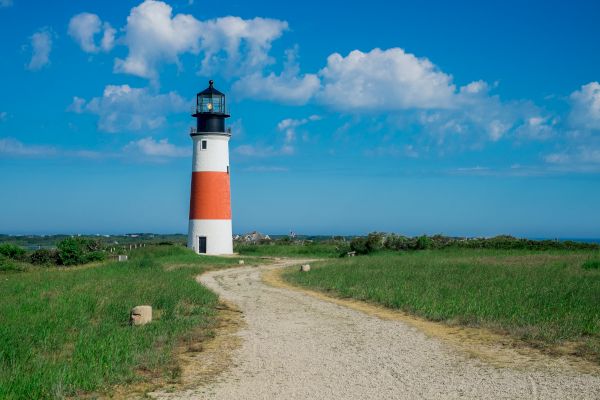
(73, 251)
(423, 243)
(44, 257)
(396, 242)
(343, 248)
(365, 245)
(12, 251)
(375, 241)
(95, 256)
(359, 245)
(591, 264)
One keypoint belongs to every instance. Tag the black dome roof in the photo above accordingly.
(210, 90)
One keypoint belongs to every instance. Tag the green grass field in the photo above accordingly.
(298, 250)
(64, 332)
(545, 298)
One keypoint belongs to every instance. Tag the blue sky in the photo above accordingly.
(413, 117)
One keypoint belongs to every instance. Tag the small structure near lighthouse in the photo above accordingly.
(210, 229)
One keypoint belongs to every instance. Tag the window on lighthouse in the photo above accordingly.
(203, 145)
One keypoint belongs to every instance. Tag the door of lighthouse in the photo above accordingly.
(202, 244)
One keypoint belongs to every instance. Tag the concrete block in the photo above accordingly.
(305, 268)
(140, 315)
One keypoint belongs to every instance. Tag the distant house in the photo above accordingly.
(253, 237)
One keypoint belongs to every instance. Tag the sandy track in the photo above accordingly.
(297, 346)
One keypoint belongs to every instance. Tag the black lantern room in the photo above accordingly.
(210, 112)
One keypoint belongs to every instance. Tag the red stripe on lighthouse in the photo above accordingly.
(211, 196)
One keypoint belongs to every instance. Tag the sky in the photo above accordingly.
(462, 118)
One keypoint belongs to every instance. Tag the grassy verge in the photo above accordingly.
(307, 249)
(64, 332)
(545, 298)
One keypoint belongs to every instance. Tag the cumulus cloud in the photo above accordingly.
(415, 92)
(289, 87)
(123, 108)
(229, 44)
(383, 80)
(156, 148)
(237, 44)
(585, 107)
(84, 27)
(41, 46)
(537, 127)
(153, 35)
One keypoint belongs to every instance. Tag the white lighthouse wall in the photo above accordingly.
(216, 155)
(218, 235)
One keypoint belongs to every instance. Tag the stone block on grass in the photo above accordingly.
(141, 315)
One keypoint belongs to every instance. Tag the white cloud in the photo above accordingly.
(283, 88)
(537, 128)
(475, 87)
(294, 123)
(383, 80)
(585, 103)
(393, 150)
(15, 148)
(6, 3)
(230, 45)
(153, 35)
(289, 125)
(414, 91)
(153, 148)
(85, 26)
(497, 129)
(265, 168)
(258, 151)
(244, 43)
(3, 116)
(582, 155)
(288, 87)
(41, 46)
(146, 148)
(123, 108)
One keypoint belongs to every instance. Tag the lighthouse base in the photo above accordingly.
(210, 236)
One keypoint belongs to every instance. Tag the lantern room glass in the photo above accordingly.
(211, 103)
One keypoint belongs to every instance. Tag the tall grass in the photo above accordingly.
(544, 298)
(64, 332)
(307, 249)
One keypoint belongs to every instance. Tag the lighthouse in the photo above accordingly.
(210, 200)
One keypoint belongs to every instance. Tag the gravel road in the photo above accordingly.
(296, 346)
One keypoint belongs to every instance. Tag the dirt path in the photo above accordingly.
(296, 346)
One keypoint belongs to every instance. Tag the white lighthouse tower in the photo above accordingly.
(210, 200)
